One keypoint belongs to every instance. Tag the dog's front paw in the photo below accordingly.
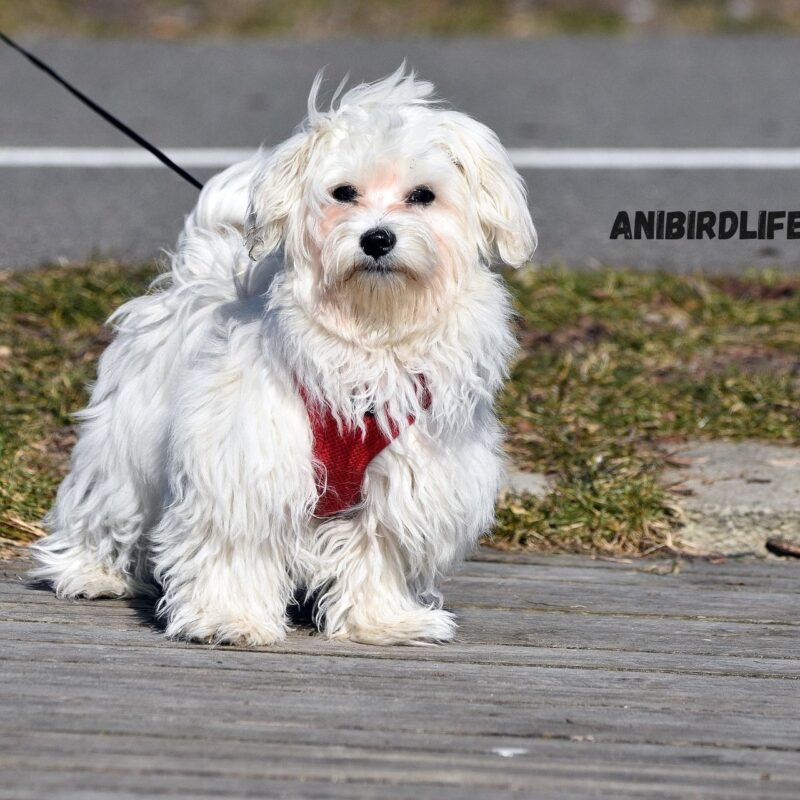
(423, 626)
(224, 629)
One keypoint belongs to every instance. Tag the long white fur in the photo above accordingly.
(193, 473)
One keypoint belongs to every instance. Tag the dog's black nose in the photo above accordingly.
(377, 242)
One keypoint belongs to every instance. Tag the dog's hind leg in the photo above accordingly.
(95, 546)
(103, 509)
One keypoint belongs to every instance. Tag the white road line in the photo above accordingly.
(523, 158)
(657, 158)
(125, 157)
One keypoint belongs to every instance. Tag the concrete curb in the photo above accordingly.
(735, 495)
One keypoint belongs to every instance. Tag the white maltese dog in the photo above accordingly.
(305, 400)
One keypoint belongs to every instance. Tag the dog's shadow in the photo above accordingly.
(143, 605)
(301, 612)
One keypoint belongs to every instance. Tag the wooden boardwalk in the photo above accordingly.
(570, 678)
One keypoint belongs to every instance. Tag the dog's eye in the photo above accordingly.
(346, 193)
(421, 196)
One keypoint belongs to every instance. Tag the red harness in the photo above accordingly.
(344, 455)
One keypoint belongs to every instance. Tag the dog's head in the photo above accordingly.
(384, 203)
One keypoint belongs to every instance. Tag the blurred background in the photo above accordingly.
(558, 81)
(322, 19)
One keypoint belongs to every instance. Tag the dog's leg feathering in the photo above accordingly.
(216, 588)
(364, 594)
(224, 550)
(95, 545)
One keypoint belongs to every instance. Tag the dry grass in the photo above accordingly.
(50, 337)
(614, 368)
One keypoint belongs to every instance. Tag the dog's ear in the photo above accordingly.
(498, 189)
(274, 192)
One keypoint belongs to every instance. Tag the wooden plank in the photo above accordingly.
(59, 783)
(767, 566)
(382, 765)
(90, 785)
(425, 681)
(587, 567)
(629, 713)
(73, 732)
(178, 656)
(660, 601)
(447, 723)
(509, 585)
(648, 597)
(622, 699)
(489, 627)
(491, 597)
(642, 573)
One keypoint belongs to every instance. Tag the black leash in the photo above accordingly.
(110, 118)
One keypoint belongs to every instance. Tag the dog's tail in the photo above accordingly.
(211, 261)
(210, 265)
(223, 200)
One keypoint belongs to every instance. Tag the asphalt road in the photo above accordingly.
(554, 93)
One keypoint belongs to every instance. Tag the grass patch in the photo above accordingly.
(51, 335)
(614, 368)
